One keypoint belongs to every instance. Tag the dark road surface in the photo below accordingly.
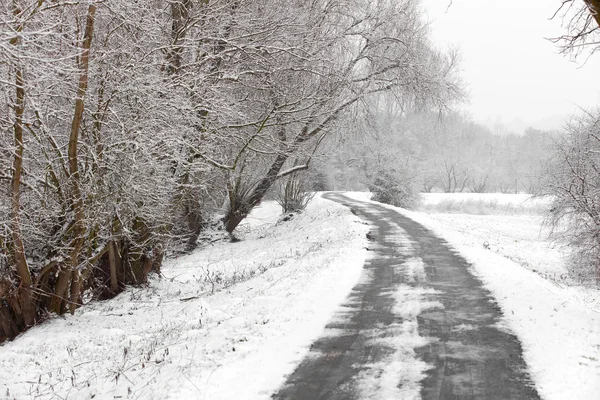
(467, 356)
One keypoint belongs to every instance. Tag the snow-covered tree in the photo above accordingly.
(127, 125)
(338, 55)
(573, 181)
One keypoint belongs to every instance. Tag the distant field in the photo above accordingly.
(483, 203)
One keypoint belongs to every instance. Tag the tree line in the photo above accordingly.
(424, 151)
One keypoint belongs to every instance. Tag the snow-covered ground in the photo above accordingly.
(273, 293)
(230, 321)
(557, 321)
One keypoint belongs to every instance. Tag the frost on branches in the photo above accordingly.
(127, 125)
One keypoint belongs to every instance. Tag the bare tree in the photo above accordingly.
(130, 123)
(368, 52)
(572, 179)
(23, 301)
(95, 130)
(454, 176)
(582, 22)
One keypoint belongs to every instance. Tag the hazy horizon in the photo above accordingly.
(516, 77)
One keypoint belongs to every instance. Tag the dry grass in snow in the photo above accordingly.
(483, 203)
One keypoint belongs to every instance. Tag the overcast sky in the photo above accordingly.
(514, 74)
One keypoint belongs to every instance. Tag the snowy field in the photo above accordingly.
(557, 320)
(483, 203)
(226, 322)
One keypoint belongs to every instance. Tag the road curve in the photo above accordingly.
(461, 353)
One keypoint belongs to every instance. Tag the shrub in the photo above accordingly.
(395, 188)
(292, 194)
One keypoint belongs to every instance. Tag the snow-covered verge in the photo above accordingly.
(558, 324)
(273, 293)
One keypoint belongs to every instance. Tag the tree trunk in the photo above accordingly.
(8, 327)
(237, 212)
(139, 257)
(194, 222)
(114, 267)
(61, 289)
(180, 10)
(25, 296)
(69, 276)
(76, 285)
(594, 6)
(81, 91)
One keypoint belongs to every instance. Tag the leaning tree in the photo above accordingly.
(330, 59)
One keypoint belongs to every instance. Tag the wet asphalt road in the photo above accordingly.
(467, 355)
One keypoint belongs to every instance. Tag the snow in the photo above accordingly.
(398, 375)
(509, 198)
(229, 321)
(557, 321)
(232, 320)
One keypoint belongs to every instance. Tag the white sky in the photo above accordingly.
(515, 76)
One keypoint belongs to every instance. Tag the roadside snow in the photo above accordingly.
(227, 322)
(522, 239)
(558, 324)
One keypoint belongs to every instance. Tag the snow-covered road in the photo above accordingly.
(418, 325)
(557, 321)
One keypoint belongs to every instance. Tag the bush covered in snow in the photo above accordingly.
(394, 187)
(293, 194)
